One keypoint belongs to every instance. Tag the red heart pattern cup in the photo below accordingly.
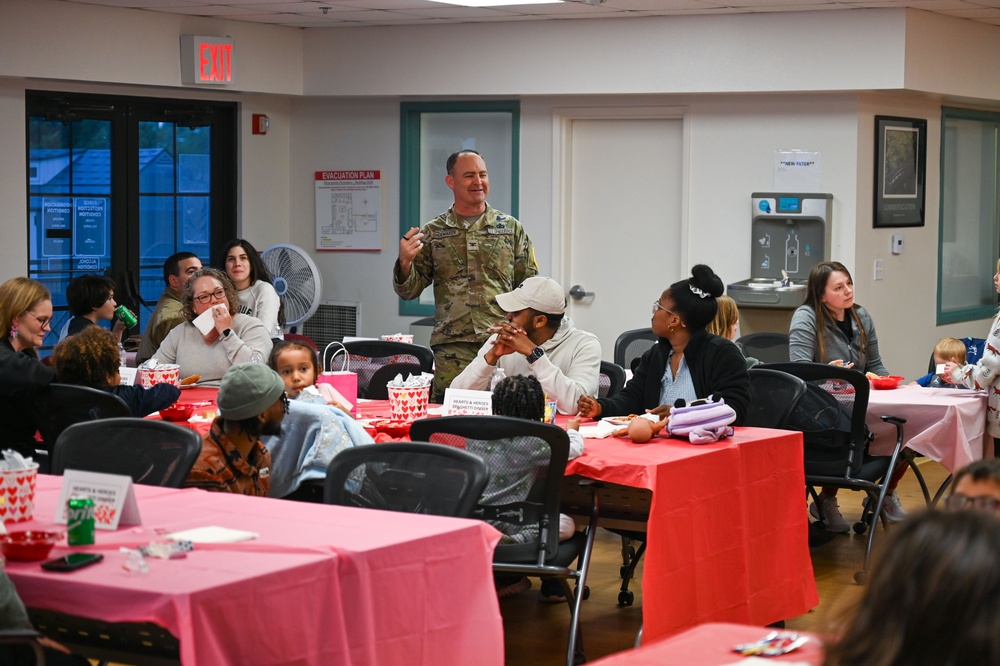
(408, 403)
(17, 494)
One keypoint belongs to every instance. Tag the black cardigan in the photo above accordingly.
(717, 368)
(22, 377)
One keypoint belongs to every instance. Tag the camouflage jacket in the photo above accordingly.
(468, 268)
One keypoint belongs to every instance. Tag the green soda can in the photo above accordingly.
(126, 316)
(80, 521)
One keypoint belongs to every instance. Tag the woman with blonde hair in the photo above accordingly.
(234, 337)
(727, 323)
(25, 318)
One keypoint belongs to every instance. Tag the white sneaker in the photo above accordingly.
(833, 520)
(893, 509)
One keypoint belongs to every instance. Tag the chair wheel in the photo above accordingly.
(631, 552)
(626, 597)
(860, 577)
(623, 571)
(586, 592)
(860, 527)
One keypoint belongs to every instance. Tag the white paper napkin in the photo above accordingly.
(213, 534)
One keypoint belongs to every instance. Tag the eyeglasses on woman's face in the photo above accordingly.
(217, 295)
(960, 502)
(44, 322)
(657, 306)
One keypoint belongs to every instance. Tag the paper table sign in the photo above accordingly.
(127, 376)
(113, 495)
(467, 401)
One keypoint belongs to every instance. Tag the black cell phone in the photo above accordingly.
(72, 561)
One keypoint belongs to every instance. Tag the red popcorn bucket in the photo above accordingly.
(17, 494)
(408, 403)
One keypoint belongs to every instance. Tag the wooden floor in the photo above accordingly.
(536, 632)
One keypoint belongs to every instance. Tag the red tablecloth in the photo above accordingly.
(727, 531)
(321, 585)
(946, 425)
(708, 645)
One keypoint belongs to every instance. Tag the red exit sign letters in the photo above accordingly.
(208, 60)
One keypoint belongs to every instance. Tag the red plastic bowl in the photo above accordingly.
(392, 428)
(28, 546)
(886, 382)
(177, 412)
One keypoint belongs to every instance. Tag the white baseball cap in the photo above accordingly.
(541, 294)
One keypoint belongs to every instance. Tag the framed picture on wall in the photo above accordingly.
(900, 170)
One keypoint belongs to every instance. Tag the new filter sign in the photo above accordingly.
(208, 60)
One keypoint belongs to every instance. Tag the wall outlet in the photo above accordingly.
(878, 269)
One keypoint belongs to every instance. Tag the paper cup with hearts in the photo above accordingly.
(17, 494)
(408, 402)
(164, 373)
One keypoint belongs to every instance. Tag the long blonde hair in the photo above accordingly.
(17, 296)
(725, 318)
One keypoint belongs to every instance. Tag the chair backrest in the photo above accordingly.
(367, 356)
(153, 453)
(410, 477)
(61, 405)
(831, 417)
(774, 395)
(765, 347)
(611, 379)
(527, 461)
(630, 345)
(380, 378)
(974, 348)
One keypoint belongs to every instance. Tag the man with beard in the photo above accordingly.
(538, 339)
(252, 403)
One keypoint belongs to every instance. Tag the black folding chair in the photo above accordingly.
(368, 356)
(831, 416)
(611, 380)
(62, 405)
(410, 477)
(153, 453)
(631, 345)
(774, 395)
(765, 347)
(527, 462)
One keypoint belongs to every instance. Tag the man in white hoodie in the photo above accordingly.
(538, 339)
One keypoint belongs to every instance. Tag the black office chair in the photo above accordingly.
(153, 453)
(533, 452)
(61, 405)
(611, 379)
(410, 477)
(774, 395)
(765, 347)
(831, 416)
(20, 646)
(368, 356)
(631, 345)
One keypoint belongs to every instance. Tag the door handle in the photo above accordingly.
(577, 292)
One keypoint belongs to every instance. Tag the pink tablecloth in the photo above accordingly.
(946, 425)
(322, 584)
(727, 530)
(708, 645)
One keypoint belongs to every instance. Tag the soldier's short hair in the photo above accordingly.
(454, 157)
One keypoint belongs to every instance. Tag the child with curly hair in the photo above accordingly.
(90, 358)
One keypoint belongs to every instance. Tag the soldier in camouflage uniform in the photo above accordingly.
(475, 252)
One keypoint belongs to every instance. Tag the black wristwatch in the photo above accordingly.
(535, 354)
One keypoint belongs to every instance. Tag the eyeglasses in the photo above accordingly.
(218, 294)
(959, 502)
(44, 322)
(657, 306)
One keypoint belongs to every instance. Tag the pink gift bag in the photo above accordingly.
(344, 381)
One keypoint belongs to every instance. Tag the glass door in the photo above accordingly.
(117, 185)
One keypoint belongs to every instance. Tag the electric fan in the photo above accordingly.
(296, 279)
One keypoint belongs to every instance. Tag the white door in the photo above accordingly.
(622, 220)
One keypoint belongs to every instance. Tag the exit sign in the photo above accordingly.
(208, 60)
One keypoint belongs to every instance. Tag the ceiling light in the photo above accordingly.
(496, 3)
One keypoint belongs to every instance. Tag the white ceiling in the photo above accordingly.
(357, 13)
